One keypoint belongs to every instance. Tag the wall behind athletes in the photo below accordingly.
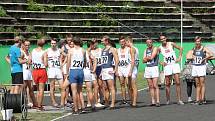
(5, 77)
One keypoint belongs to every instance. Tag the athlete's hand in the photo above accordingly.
(116, 74)
(130, 74)
(163, 64)
(193, 57)
(203, 60)
(178, 60)
(111, 72)
(145, 60)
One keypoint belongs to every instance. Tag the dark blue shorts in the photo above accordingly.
(98, 70)
(76, 76)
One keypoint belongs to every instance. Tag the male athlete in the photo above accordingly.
(108, 55)
(39, 71)
(132, 81)
(171, 66)
(75, 63)
(151, 73)
(125, 66)
(200, 55)
(54, 61)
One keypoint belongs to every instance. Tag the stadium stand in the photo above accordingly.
(92, 19)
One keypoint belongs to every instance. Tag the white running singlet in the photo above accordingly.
(168, 53)
(124, 57)
(37, 59)
(53, 58)
(77, 59)
(97, 54)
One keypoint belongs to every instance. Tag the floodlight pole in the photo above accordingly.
(181, 29)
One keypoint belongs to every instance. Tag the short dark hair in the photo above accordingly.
(26, 40)
(107, 38)
(54, 39)
(41, 42)
(121, 37)
(197, 37)
(69, 36)
(130, 39)
(77, 41)
(91, 42)
(113, 44)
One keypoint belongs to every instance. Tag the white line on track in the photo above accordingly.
(68, 114)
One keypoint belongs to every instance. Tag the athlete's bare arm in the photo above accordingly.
(180, 51)
(68, 61)
(160, 62)
(45, 59)
(116, 59)
(61, 58)
(132, 53)
(21, 59)
(30, 58)
(189, 55)
(94, 63)
(144, 57)
(7, 58)
(154, 53)
(64, 56)
(209, 54)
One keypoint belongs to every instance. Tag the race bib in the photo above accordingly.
(123, 63)
(169, 59)
(150, 62)
(198, 60)
(136, 62)
(104, 59)
(77, 64)
(55, 63)
(99, 61)
(36, 65)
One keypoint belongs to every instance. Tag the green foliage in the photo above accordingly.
(148, 17)
(141, 9)
(100, 7)
(79, 9)
(200, 10)
(107, 20)
(172, 30)
(2, 12)
(50, 29)
(69, 9)
(2, 29)
(10, 29)
(92, 9)
(60, 36)
(87, 23)
(127, 7)
(33, 6)
(50, 8)
(29, 28)
(39, 35)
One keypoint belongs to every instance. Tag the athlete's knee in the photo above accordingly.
(177, 83)
(96, 86)
(89, 89)
(167, 84)
(198, 84)
(151, 86)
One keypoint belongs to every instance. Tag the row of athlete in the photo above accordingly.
(98, 67)
(198, 56)
(72, 65)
